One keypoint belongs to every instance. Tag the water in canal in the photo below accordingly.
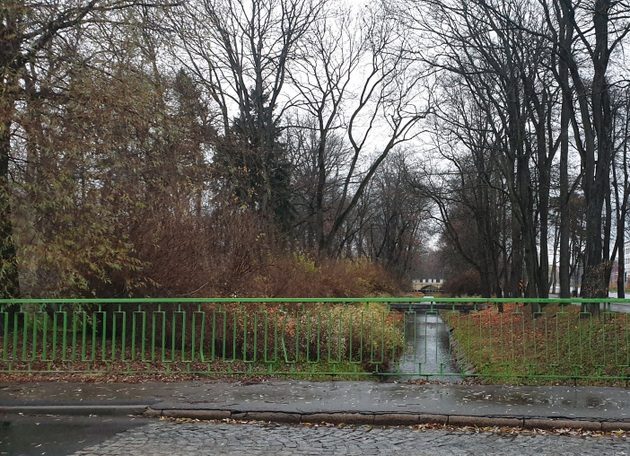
(427, 350)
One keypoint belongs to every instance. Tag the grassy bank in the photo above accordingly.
(556, 346)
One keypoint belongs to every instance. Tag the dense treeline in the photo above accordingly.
(212, 147)
(532, 133)
(241, 147)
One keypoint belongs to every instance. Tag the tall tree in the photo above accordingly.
(621, 180)
(586, 36)
(26, 29)
(504, 68)
(241, 52)
(357, 81)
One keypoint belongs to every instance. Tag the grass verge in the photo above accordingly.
(557, 345)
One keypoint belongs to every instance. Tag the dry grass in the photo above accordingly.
(557, 345)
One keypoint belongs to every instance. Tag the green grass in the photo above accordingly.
(558, 345)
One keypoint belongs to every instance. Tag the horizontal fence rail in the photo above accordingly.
(446, 339)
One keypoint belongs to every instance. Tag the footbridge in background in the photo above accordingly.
(427, 285)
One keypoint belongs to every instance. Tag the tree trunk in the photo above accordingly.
(564, 50)
(322, 246)
(565, 230)
(623, 211)
(9, 279)
(597, 168)
(516, 268)
(621, 257)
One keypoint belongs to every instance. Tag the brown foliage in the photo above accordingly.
(464, 283)
(235, 253)
(298, 276)
(121, 198)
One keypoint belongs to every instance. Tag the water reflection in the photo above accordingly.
(427, 350)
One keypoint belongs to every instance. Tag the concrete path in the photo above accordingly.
(596, 408)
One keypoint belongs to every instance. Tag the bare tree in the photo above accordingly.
(357, 80)
(468, 190)
(393, 235)
(585, 37)
(621, 181)
(241, 53)
(504, 68)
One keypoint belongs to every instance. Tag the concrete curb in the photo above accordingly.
(369, 418)
(393, 419)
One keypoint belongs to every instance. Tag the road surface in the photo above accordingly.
(137, 437)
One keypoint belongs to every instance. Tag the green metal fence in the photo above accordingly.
(448, 339)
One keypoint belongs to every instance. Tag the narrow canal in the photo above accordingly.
(427, 353)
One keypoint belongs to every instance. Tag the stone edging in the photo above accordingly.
(393, 419)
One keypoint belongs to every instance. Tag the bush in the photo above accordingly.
(300, 276)
(467, 283)
(367, 334)
(237, 254)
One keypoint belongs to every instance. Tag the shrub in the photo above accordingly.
(465, 283)
(368, 335)
(237, 254)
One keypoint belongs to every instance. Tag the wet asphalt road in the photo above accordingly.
(59, 435)
(98, 436)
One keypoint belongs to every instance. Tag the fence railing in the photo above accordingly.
(448, 339)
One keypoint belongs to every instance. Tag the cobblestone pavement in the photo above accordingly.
(171, 439)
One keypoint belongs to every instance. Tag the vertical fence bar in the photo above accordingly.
(15, 336)
(25, 326)
(178, 315)
(33, 356)
(224, 338)
(84, 337)
(244, 347)
(4, 315)
(64, 335)
(235, 331)
(318, 339)
(361, 338)
(198, 328)
(75, 328)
